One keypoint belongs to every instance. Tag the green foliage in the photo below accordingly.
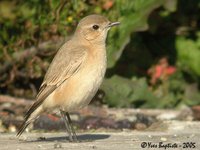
(153, 56)
(122, 92)
(133, 16)
(189, 54)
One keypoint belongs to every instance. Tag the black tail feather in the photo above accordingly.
(40, 99)
(23, 127)
(26, 118)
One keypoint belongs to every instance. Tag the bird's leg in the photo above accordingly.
(67, 125)
(71, 126)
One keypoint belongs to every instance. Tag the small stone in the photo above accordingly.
(140, 126)
(150, 136)
(12, 128)
(125, 130)
(167, 116)
(93, 147)
(163, 139)
(2, 128)
(42, 138)
(196, 112)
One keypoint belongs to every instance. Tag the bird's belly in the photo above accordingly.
(78, 91)
(85, 89)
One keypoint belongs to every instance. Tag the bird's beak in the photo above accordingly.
(113, 24)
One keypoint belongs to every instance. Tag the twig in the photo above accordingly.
(59, 9)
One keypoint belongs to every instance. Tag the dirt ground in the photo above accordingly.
(102, 128)
(166, 135)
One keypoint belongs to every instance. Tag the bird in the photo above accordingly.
(75, 73)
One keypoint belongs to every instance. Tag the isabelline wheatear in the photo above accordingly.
(75, 73)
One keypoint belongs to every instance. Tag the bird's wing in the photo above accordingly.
(66, 63)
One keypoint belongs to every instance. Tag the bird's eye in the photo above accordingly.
(95, 27)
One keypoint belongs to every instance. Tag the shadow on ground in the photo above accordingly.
(81, 138)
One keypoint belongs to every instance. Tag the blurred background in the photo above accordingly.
(153, 56)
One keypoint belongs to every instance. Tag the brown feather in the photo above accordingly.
(57, 73)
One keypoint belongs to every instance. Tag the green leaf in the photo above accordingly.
(133, 17)
(188, 55)
(122, 92)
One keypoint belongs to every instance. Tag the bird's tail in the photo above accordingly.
(30, 117)
(22, 127)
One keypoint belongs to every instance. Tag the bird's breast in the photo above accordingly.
(91, 77)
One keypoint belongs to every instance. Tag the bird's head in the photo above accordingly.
(94, 28)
